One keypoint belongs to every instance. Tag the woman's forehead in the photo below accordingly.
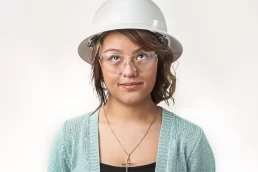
(117, 42)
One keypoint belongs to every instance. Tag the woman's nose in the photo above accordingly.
(129, 70)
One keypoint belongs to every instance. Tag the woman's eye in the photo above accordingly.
(114, 57)
(140, 56)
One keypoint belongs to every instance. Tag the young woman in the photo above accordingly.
(131, 55)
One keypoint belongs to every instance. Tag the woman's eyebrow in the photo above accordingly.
(138, 50)
(113, 49)
(119, 51)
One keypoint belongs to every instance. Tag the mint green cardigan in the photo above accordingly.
(183, 146)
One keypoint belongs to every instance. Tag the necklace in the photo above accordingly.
(128, 161)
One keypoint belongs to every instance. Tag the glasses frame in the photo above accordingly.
(129, 62)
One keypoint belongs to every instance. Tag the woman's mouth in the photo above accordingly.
(131, 85)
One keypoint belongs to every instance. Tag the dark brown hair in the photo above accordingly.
(165, 85)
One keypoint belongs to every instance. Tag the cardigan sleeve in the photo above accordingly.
(58, 161)
(201, 158)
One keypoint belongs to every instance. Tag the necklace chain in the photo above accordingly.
(129, 154)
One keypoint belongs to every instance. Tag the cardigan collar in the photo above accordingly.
(163, 145)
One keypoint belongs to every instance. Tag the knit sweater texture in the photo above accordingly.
(182, 147)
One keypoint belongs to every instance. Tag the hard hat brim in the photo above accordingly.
(85, 52)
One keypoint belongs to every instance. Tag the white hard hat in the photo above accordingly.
(128, 14)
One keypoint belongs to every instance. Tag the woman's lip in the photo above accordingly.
(131, 86)
(131, 83)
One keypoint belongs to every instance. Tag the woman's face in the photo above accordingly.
(130, 87)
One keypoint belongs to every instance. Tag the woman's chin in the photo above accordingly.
(132, 100)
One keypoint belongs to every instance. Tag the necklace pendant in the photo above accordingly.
(127, 163)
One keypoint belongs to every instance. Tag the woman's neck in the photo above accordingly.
(125, 113)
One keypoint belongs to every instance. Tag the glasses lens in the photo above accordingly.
(115, 62)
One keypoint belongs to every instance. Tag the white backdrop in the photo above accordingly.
(44, 82)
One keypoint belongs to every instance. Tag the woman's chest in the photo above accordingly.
(132, 147)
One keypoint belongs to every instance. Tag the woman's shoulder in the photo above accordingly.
(179, 126)
(77, 125)
(188, 138)
(78, 119)
(183, 132)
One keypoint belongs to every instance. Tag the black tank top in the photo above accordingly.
(143, 168)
